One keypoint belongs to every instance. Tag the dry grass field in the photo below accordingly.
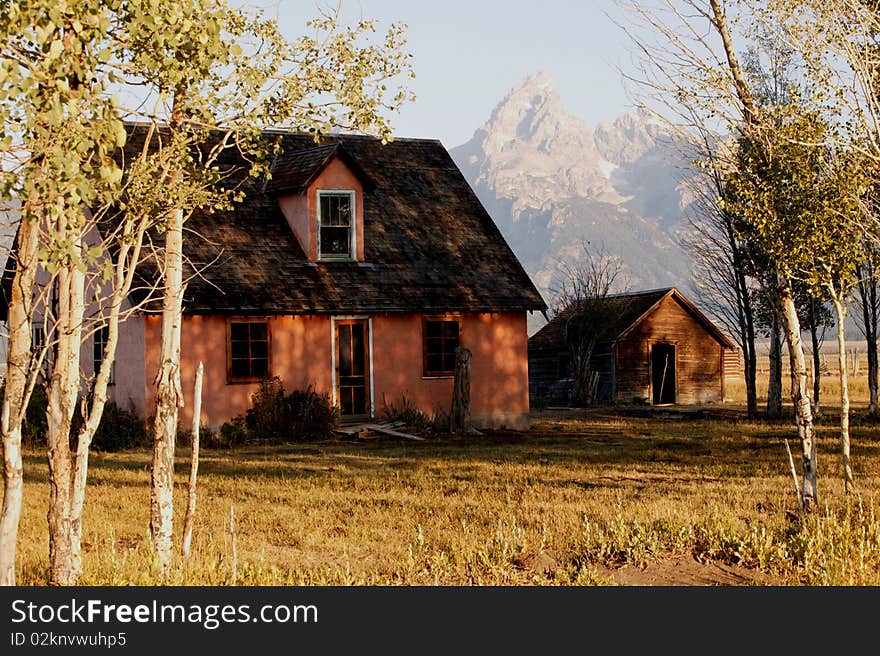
(585, 497)
(829, 390)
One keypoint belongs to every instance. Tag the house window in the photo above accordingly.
(336, 225)
(441, 338)
(99, 345)
(38, 339)
(247, 350)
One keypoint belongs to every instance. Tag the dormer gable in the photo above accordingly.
(321, 193)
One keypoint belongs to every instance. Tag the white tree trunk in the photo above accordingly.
(63, 390)
(800, 396)
(194, 463)
(169, 397)
(124, 274)
(16, 394)
(840, 311)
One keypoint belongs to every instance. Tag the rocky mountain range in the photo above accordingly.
(552, 184)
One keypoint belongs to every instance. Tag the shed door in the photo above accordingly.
(663, 373)
(353, 367)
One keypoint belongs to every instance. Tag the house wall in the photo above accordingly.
(128, 389)
(301, 210)
(129, 385)
(698, 357)
(301, 354)
(499, 367)
(295, 208)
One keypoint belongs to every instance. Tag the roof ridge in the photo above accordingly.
(313, 149)
(337, 135)
(643, 292)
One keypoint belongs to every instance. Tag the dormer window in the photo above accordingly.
(336, 219)
(321, 193)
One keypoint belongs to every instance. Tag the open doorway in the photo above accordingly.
(663, 373)
(353, 367)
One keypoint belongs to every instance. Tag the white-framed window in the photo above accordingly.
(336, 216)
(98, 346)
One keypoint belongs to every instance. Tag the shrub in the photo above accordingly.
(310, 415)
(232, 433)
(208, 437)
(35, 426)
(406, 411)
(267, 416)
(119, 429)
(440, 422)
(302, 414)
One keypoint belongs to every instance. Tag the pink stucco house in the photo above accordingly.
(356, 268)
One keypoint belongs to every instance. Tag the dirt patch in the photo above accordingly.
(684, 570)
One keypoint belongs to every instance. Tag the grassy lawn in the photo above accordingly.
(591, 490)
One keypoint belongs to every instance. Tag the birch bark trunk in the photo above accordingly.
(194, 463)
(783, 297)
(800, 397)
(817, 361)
(16, 394)
(840, 312)
(63, 390)
(125, 265)
(169, 397)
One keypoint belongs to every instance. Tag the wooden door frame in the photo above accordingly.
(334, 358)
(651, 344)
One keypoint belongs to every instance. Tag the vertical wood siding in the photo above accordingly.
(698, 357)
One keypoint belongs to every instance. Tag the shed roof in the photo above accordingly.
(632, 309)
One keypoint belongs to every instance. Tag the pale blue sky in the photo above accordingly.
(468, 54)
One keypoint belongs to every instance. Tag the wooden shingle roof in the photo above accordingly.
(293, 172)
(429, 244)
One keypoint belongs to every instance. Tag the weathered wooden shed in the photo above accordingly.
(661, 350)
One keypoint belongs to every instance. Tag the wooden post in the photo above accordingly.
(797, 489)
(194, 463)
(461, 394)
(234, 537)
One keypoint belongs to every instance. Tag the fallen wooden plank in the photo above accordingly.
(348, 430)
(393, 433)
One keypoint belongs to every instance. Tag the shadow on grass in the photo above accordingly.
(723, 444)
